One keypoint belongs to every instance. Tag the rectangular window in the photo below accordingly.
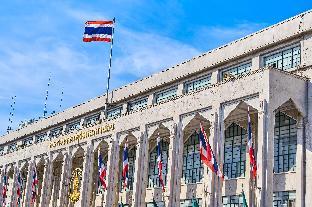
(1, 151)
(284, 60)
(166, 95)
(236, 70)
(56, 132)
(27, 142)
(234, 200)
(114, 113)
(284, 198)
(197, 84)
(12, 147)
(92, 120)
(285, 143)
(235, 142)
(41, 137)
(72, 127)
(138, 104)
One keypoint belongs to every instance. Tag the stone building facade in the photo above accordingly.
(267, 71)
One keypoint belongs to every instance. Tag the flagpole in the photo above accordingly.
(109, 67)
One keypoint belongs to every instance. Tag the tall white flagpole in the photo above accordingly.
(109, 68)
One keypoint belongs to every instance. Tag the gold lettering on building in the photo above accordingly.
(82, 135)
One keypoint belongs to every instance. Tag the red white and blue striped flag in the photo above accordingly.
(19, 183)
(98, 31)
(4, 189)
(34, 184)
(125, 166)
(206, 153)
(102, 172)
(159, 163)
(253, 162)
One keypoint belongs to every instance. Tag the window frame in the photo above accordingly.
(281, 50)
(133, 102)
(225, 69)
(192, 81)
(175, 87)
(114, 109)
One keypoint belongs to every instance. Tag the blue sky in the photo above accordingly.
(38, 38)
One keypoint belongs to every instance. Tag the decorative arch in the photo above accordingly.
(193, 169)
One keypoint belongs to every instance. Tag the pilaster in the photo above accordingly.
(300, 175)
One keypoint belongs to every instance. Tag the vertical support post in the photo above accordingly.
(109, 68)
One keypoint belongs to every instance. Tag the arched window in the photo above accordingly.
(153, 178)
(235, 151)
(193, 169)
(285, 143)
(131, 161)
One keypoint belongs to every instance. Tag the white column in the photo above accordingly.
(300, 171)
(110, 177)
(178, 166)
(47, 183)
(64, 175)
(137, 171)
(28, 184)
(265, 156)
(171, 163)
(3, 169)
(83, 200)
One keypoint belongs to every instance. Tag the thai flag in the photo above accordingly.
(19, 182)
(206, 153)
(102, 172)
(4, 189)
(253, 162)
(159, 162)
(34, 185)
(98, 31)
(125, 165)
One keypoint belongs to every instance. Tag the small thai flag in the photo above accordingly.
(102, 172)
(34, 185)
(206, 153)
(159, 162)
(98, 31)
(19, 183)
(125, 166)
(4, 189)
(253, 162)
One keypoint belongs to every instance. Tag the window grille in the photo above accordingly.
(72, 127)
(232, 201)
(131, 165)
(284, 60)
(153, 178)
(166, 95)
(285, 143)
(56, 132)
(41, 137)
(92, 120)
(284, 199)
(235, 151)
(28, 141)
(188, 202)
(236, 70)
(114, 113)
(193, 169)
(197, 84)
(12, 147)
(138, 104)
